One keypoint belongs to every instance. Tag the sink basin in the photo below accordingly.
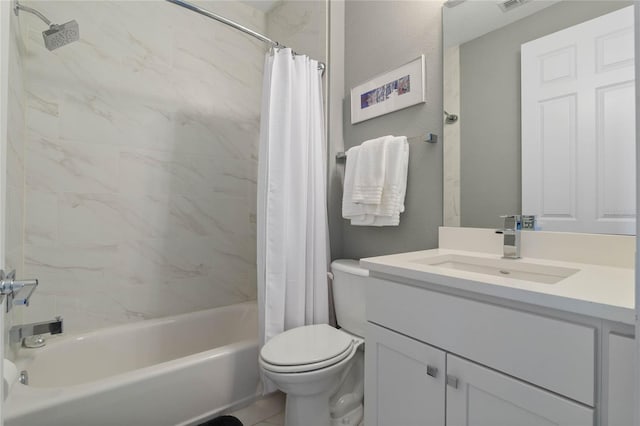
(506, 268)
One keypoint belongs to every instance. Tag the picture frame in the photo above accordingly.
(388, 92)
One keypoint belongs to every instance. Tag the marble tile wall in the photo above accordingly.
(301, 25)
(15, 171)
(451, 147)
(15, 150)
(141, 161)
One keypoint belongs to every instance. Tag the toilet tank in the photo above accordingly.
(348, 295)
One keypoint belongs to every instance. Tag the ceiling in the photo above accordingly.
(473, 18)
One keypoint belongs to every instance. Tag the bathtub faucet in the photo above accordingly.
(19, 333)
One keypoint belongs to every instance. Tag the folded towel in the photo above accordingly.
(349, 208)
(371, 220)
(395, 179)
(368, 178)
(387, 212)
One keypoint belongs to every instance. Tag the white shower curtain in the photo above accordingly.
(292, 217)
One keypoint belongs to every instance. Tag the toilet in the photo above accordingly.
(321, 368)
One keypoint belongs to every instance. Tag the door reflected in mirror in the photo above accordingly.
(545, 97)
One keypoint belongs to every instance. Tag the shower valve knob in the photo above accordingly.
(8, 282)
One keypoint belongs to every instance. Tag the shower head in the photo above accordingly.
(57, 35)
(60, 35)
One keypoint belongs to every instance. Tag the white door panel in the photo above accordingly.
(578, 127)
(614, 141)
(558, 153)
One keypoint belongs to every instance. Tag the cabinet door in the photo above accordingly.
(620, 384)
(404, 380)
(484, 397)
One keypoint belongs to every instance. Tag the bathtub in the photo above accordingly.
(172, 371)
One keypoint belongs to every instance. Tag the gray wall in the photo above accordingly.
(379, 36)
(490, 179)
(335, 135)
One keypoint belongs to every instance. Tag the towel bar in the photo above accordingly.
(429, 137)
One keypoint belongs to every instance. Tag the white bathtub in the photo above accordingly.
(172, 371)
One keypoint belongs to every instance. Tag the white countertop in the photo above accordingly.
(599, 291)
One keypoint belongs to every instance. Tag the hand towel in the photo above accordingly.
(395, 179)
(368, 178)
(349, 208)
(387, 212)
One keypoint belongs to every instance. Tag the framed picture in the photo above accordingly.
(388, 92)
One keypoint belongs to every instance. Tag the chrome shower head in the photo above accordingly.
(60, 35)
(57, 35)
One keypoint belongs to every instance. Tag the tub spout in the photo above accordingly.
(18, 333)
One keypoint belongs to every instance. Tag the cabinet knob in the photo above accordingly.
(452, 381)
(432, 371)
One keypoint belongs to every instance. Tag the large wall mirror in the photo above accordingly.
(540, 114)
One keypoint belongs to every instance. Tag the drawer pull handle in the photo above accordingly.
(452, 381)
(432, 371)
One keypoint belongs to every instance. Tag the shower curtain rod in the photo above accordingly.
(233, 24)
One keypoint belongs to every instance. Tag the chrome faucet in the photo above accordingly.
(511, 232)
(18, 333)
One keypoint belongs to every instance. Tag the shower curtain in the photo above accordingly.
(292, 214)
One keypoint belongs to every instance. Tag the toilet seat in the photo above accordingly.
(304, 368)
(306, 348)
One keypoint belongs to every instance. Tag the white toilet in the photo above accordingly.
(321, 368)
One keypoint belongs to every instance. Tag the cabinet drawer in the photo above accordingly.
(554, 354)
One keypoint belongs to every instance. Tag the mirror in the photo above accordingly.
(539, 119)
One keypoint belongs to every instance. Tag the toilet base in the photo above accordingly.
(312, 410)
(353, 418)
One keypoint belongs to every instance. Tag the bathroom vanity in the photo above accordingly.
(459, 336)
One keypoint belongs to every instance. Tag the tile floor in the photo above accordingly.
(267, 411)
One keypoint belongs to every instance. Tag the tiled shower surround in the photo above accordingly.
(140, 161)
(14, 221)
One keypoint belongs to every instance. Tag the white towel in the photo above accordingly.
(350, 209)
(387, 212)
(368, 178)
(370, 220)
(395, 179)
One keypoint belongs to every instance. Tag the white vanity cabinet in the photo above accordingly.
(478, 396)
(405, 380)
(619, 377)
(495, 365)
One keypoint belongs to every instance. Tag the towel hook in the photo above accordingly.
(450, 118)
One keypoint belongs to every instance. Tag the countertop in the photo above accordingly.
(599, 291)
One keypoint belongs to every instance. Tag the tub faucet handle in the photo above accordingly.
(18, 292)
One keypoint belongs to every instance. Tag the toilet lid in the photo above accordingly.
(303, 368)
(310, 344)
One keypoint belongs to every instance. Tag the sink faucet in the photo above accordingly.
(18, 333)
(511, 232)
